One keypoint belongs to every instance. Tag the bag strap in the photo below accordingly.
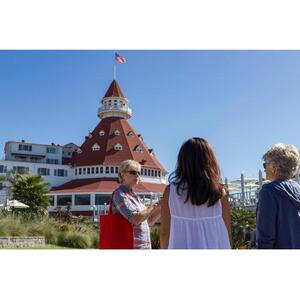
(110, 202)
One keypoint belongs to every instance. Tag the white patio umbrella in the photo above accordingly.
(16, 204)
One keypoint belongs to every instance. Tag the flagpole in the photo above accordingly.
(115, 70)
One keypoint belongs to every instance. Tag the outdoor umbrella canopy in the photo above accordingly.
(16, 204)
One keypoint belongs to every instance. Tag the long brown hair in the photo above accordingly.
(197, 172)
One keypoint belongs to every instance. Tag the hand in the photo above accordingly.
(156, 206)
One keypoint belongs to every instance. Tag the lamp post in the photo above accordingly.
(93, 208)
(242, 188)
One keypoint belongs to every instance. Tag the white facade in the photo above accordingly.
(55, 177)
(46, 160)
(58, 174)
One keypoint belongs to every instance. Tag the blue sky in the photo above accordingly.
(242, 102)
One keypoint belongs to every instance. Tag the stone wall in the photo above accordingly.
(21, 241)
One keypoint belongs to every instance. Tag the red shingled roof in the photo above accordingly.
(107, 155)
(104, 185)
(114, 90)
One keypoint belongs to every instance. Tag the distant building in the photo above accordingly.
(84, 177)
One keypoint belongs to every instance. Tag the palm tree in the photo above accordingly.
(28, 188)
(32, 190)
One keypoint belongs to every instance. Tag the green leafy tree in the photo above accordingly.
(31, 190)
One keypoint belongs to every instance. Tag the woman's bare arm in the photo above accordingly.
(165, 220)
(155, 215)
(226, 215)
(143, 215)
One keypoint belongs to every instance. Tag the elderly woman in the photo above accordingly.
(126, 203)
(278, 210)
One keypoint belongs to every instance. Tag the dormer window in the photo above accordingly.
(138, 148)
(117, 132)
(102, 133)
(79, 151)
(118, 147)
(130, 133)
(96, 147)
(151, 151)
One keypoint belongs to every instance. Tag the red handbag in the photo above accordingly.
(116, 232)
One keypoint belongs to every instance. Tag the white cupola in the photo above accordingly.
(114, 103)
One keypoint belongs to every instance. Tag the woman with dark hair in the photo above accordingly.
(195, 212)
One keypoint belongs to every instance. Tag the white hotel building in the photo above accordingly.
(85, 176)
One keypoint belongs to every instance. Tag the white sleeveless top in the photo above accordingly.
(196, 227)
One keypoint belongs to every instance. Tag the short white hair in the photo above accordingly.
(285, 158)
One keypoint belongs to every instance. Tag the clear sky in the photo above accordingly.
(242, 102)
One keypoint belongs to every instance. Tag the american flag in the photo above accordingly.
(119, 58)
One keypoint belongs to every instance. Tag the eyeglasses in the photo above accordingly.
(132, 172)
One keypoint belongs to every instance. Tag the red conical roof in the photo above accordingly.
(107, 155)
(114, 90)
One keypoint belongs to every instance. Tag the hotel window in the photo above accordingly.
(88, 170)
(1, 186)
(101, 133)
(117, 170)
(64, 200)
(101, 170)
(3, 169)
(142, 171)
(44, 171)
(51, 150)
(75, 172)
(138, 148)
(93, 170)
(101, 199)
(21, 170)
(84, 171)
(60, 172)
(106, 170)
(118, 147)
(79, 171)
(158, 173)
(79, 151)
(112, 170)
(97, 170)
(155, 173)
(130, 133)
(117, 132)
(152, 173)
(83, 199)
(115, 103)
(52, 161)
(149, 172)
(51, 200)
(96, 147)
(25, 147)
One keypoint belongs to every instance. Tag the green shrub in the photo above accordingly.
(74, 240)
(56, 233)
(243, 224)
(155, 237)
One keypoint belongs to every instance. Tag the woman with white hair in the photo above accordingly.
(278, 210)
(126, 203)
